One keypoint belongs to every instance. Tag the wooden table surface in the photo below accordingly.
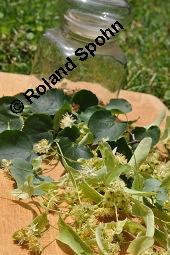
(16, 214)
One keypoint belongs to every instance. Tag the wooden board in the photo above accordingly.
(16, 214)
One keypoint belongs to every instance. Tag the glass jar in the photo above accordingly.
(76, 51)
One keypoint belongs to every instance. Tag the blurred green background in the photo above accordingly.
(146, 42)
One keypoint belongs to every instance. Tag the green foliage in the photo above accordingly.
(119, 106)
(140, 245)
(21, 170)
(72, 152)
(38, 127)
(146, 44)
(15, 144)
(22, 24)
(81, 97)
(49, 103)
(68, 236)
(116, 183)
(141, 132)
(102, 120)
(8, 120)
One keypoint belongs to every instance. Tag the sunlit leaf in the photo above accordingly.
(90, 192)
(146, 213)
(140, 245)
(141, 152)
(166, 134)
(69, 237)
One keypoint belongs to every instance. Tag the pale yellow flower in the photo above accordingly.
(67, 121)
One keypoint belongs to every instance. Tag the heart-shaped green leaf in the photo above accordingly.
(38, 127)
(104, 126)
(15, 144)
(72, 133)
(21, 170)
(141, 132)
(49, 103)
(119, 106)
(85, 116)
(85, 98)
(72, 152)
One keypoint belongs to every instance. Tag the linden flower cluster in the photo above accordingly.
(154, 167)
(42, 147)
(109, 240)
(51, 200)
(29, 237)
(150, 251)
(166, 205)
(85, 222)
(104, 213)
(70, 194)
(115, 196)
(121, 158)
(162, 171)
(151, 162)
(67, 121)
(90, 167)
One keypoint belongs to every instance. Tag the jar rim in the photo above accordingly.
(116, 3)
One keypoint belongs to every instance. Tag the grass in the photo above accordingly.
(146, 41)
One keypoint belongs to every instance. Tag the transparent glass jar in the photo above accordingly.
(63, 50)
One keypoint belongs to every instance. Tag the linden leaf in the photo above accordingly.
(140, 132)
(21, 170)
(166, 134)
(85, 98)
(140, 245)
(72, 152)
(119, 106)
(90, 192)
(86, 115)
(41, 221)
(26, 190)
(38, 127)
(146, 213)
(141, 152)
(99, 239)
(69, 237)
(49, 103)
(104, 126)
(15, 144)
(8, 119)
